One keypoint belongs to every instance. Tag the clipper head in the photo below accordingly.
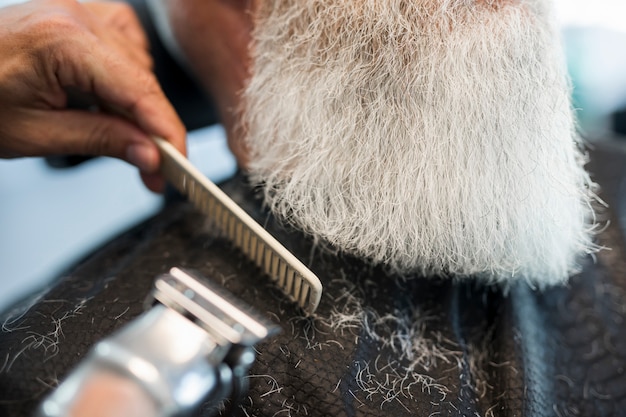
(210, 307)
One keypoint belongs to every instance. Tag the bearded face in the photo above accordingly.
(433, 136)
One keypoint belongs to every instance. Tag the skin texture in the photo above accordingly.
(99, 49)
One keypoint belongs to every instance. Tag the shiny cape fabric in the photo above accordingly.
(377, 346)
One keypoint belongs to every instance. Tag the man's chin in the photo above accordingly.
(443, 153)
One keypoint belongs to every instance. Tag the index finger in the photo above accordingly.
(136, 91)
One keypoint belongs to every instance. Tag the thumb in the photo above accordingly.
(84, 133)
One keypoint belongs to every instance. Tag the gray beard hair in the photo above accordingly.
(433, 136)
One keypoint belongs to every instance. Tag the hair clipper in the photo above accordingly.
(193, 347)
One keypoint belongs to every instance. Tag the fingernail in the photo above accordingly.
(143, 156)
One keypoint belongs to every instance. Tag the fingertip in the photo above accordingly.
(154, 182)
(144, 155)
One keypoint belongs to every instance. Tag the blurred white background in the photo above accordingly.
(51, 218)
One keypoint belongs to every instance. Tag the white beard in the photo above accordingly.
(434, 136)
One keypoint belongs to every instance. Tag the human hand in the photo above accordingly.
(50, 46)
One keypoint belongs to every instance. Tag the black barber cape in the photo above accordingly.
(378, 345)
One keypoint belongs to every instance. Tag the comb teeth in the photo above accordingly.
(293, 277)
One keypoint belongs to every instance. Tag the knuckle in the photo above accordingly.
(55, 25)
(149, 86)
(124, 9)
(100, 140)
(121, 14)
(150, 83)
(51, 37)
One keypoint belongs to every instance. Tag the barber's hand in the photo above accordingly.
(50, 46)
